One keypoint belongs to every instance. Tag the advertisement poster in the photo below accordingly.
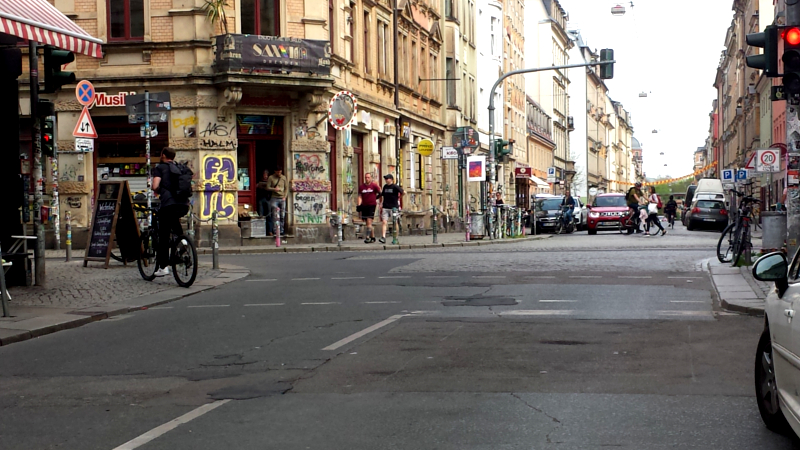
(476, 168)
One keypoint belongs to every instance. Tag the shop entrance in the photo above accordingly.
(260, 148)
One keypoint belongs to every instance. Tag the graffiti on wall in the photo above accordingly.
(219, 172)
(218, 135)
(310, 207)
(311, 172)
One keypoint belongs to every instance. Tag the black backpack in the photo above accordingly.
(181, 181)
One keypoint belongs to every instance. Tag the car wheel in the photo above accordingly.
(766, 386)
(689, 226)
(592, 232)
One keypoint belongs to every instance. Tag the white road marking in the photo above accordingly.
(208, 306)
(684, 313)
(321, 303)
(537, 312)
(443, 276)
(557, 301)
(263, 279)
(685, 278)
(363, 332)
(171, 425)
(687, 301)
(348, 278)
(394, 277)
(304, 279)
(265, 304)
(378, 303)
(645, 277)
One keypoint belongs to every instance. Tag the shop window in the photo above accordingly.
(331, 24)
(261, 17)
(120, 150)
(126, 20)
(366, 42)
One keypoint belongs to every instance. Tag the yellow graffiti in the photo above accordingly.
(219, 172)
(186, 122)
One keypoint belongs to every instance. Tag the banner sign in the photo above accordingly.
(476, 168)
(237, 52)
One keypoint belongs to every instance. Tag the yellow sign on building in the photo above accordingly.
(425, 147)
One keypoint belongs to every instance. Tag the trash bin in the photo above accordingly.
(773, 224)
(477, 228)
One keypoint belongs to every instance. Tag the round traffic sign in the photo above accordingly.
(768, 158)
(425, 147)
(84, 91)
(593, 191)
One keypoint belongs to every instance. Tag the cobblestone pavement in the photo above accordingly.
(70, 285)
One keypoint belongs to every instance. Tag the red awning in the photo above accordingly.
(39, 21)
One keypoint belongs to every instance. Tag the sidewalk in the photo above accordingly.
(405, 243)
(77, 295)
(737, 289)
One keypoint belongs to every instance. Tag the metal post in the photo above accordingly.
(468, 223)
(36, 139)
(276, 226)
(147, 157)
(69, 235)
(215, 241)
(394, 227)
(55, 210)
(435, 226)
(339, 230)
(3, 289)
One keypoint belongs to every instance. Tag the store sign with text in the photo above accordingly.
(103, 99)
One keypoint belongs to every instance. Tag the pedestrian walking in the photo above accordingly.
(263, 196)
(368, 194)
(652, 212)
(390, 198)
(279, 186)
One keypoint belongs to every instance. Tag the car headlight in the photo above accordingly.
(594, 215)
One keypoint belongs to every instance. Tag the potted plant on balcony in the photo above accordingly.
(215, 13)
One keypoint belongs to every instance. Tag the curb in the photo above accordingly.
(350, 248)
(744, 306)
(12, 332)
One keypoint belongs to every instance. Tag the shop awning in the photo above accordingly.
(539, 182)
(39, 21)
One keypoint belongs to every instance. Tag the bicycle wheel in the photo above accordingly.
(184, 261)
(147, 257)
(725, 244)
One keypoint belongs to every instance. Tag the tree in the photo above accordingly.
(215, 13)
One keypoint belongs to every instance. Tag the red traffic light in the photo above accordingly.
(47, 138)
(792, 36)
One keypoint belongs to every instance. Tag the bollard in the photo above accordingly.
(3, 290)
(395, 224)
(520, 228)
(468, 222)
(276, 226)
(68, 218)
(339, 229)
(435, 226)
(214, 241)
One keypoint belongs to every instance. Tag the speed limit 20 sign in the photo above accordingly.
(768, 160)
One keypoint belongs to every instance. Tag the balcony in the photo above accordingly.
(272, 60)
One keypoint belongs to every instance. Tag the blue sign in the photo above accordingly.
(741, 175)
(727, 175)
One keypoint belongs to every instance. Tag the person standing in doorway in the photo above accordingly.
(279, 187)
(390, 196)
(165, 185)
(367, 202)
(263, 196)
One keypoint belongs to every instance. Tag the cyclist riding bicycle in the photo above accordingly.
(633, 198)
(568, 201)
(670, 209)
(165, 185)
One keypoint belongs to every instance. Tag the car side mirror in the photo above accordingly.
(773, 267)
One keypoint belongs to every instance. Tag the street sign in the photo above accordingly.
(85, 127)
(551, 174)
(751, 162)
(84, 145)
(466, 139)
(153, 131)
(741, 175)
(593, 191)
(768, 160)
(85, 93)
(425, 147)
(159, 102)
(449, 153)
(727, 175)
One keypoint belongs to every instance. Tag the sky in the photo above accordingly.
(671, 51)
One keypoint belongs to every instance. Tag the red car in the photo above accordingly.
(605, 212)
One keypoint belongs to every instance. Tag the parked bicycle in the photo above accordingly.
(182, 255)
(735, 239)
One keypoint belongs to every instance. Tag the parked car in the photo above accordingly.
(777, 364)
(687, 201)
(545, 213)
(706, 212)
(605, 212)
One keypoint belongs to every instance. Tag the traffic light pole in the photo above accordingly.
(38, 179)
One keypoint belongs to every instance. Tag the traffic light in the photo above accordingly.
(791, 63)
(49, 136)
(503, 148)
(768, 59)
(54, 77)
(606, 70)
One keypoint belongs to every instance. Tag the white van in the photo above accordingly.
(709, 189)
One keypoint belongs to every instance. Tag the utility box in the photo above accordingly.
(773, 224)
(477, 228)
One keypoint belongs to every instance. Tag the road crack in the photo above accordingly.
(541, 411)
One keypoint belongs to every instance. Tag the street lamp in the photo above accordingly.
(618, 11)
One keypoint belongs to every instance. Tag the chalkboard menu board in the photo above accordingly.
(113, 222)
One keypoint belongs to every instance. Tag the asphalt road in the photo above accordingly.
(574, 342)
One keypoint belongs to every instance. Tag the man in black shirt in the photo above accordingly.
(390, 194)
(165, 179)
